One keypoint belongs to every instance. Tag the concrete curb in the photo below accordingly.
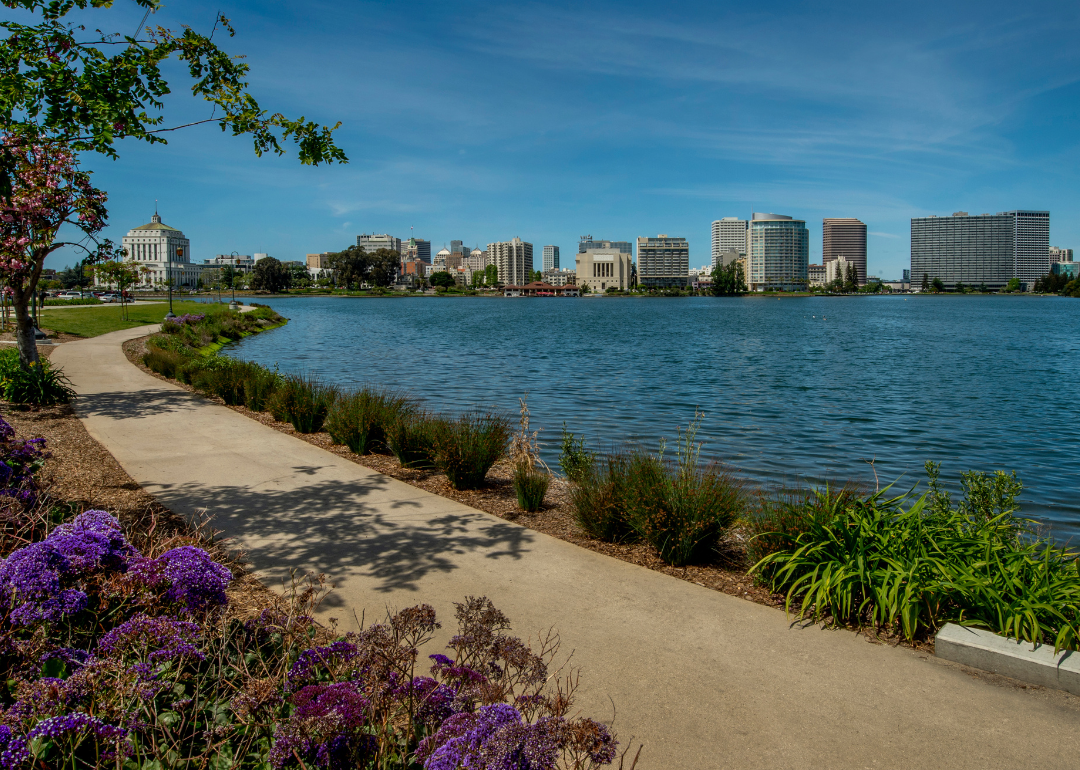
(1000, 655)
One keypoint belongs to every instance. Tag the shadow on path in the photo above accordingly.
(337, 528)
(122, 405)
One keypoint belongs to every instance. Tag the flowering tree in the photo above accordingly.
(48, 191)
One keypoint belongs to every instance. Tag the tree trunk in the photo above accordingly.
(24, 328)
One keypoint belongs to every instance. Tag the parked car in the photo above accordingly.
(109, 297)
(69, 295)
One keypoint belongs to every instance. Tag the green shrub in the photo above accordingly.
(785, 514)
(467, 447)
(302, 400)
(360, 420)
(40, 385)
(412, 439)
(911, 564)
(530, 486)
(259, 387)
(598, 500)
(575, 460)
(167, 363)
(225, 380)
(682, 510)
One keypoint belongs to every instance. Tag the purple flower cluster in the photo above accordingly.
(152, 639)
(437, 702)
(309, 663)
(19, 461)
(93, 541)
(493, 737)
(32, 578)
(325, 729)
(189, 318)
(190, 576)
(14, 749)
(30, 583)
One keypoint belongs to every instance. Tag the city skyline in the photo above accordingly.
(880, 119)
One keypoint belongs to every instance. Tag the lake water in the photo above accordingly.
(793, 388)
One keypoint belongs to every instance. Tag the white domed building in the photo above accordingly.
(165, 252)
(440, 261)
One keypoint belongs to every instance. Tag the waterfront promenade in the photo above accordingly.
(705, 680)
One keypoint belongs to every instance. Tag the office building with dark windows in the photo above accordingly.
(985, 249)
(844, 238)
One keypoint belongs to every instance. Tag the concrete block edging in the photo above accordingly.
(997, 654)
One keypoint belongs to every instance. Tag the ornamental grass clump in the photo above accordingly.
(38, 385)
(411, 439)
(302, 400)
(259, 386)
(361, 420)
(599, 499)
(782, 515)
(467, 446)
(909, 564)
(531, 475)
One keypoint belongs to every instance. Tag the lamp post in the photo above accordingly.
(168, 279)
(232, 281)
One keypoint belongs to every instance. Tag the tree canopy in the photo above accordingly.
(270, 275)
(86, 90)
(728, 280)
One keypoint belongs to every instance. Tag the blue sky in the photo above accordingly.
(482, 121)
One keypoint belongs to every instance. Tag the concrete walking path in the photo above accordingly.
(705, 680)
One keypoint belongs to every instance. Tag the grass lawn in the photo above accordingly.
(92, 321)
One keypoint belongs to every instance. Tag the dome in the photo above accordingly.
(476, 253)
(443, 253)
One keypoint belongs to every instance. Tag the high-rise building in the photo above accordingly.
(588, 242)
(986, 249)
(551, 258)
(779, 255)
(602, 269)
(728, 234)
(844, 238)
(663, 262)
(164, 251)
(456, 247)
(514, 261)
(907, 276)
(1060, 255)
(417, 248)
(372, 243)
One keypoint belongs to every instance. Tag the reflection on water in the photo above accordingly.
(798, 387)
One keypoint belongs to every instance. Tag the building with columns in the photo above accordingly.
(164, 251)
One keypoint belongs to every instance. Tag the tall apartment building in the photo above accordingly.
(417, 248)
(728, 234)
(601, 269)
(815, 275)
(986, 249)
(779, 256)
(551, 258)
(844, 238)
(1060, 255)
(372, 243)
(663, 262)
(838, 269)
(514, 261)
(588, 242)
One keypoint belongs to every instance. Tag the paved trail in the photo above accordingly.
(705, 680)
